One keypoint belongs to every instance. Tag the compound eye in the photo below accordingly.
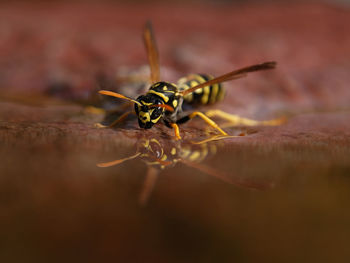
(156, 149)
(156, 113)
(136, 108)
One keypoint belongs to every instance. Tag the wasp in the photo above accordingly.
(159, 154)
(166, 101)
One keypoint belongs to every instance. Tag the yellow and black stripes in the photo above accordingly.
(161, 100)
(161, 154)
(167, 92)
(203, 96)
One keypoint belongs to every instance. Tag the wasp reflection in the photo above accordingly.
(159, 154)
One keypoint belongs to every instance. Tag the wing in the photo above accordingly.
(239, 73)
(227, 178)
(152, 52)
(150, 181)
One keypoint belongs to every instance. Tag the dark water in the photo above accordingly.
(279, 194)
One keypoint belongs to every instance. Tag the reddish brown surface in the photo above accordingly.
(57, 205)
(46, 44)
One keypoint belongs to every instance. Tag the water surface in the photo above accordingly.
(276, 194)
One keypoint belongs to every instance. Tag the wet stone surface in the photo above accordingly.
(71, 192)
(280, 187)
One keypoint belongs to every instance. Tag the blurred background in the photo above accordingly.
(278, 194)
(61, 48)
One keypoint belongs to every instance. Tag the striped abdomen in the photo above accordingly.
(206, 95)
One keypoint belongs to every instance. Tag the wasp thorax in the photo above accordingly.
(148, 114)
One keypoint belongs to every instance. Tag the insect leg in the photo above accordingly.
(217, 137)
(176, 129)
(235, 120)
(120, 119)
(207, 120)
